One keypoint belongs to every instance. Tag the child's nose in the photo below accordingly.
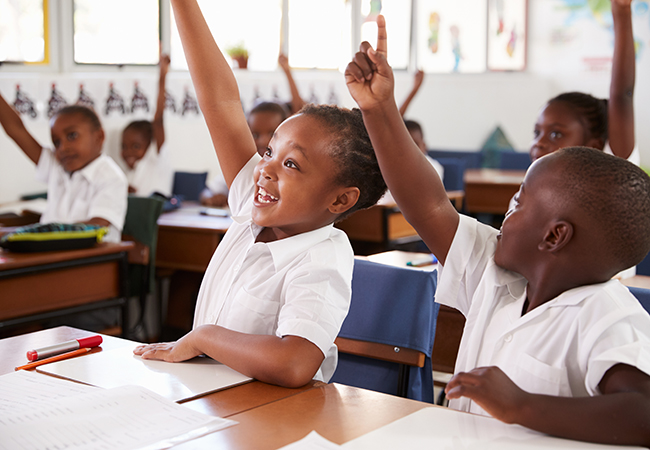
(268, 170)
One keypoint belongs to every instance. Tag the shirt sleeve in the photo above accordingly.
(470, 253)
(318, 299)
(45, 164)
(240, 196)
(109, 200)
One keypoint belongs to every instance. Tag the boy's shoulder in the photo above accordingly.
(104, 170)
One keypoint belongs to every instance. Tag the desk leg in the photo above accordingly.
(124, 290)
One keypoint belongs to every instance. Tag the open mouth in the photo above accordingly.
(264, 197)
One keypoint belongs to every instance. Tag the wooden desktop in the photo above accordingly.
(490, 190)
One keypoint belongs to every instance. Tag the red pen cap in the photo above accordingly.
(32, 355)
(89, 342)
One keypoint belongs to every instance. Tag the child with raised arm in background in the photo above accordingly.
(263, 119)
(551, 341)
(576, 118)
(278, 286)
(143, 148)
(83, 185)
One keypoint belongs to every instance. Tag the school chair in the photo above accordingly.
(514, 161)
(188, 185)
(642, 295)
(454, 172)
(643, 268)
(141, 226)
(473, 160)
(385, 342)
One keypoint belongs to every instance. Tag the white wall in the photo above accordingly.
(457, 111)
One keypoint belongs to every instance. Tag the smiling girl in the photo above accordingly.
(278, 287)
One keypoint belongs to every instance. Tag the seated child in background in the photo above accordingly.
(83, 186)
(551, 342)
(263, 119)
(578, 119)
(278, 287)
(144, 151)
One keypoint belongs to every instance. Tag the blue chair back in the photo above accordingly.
(473, 160)
(514, 161)
(643, 295)
(393, 306)
(454, 172)
(188, 185)
(643, 268)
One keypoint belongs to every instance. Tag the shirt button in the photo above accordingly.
(508, 338)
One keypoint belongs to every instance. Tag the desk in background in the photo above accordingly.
(43, 285)
(490, 190)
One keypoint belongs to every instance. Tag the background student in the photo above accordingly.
(143, 148)
(551, 341)
(83, 185)
(278, 286)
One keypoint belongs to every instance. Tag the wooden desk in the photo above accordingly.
(38, 286)
(490, 190)
(640, 281)
(187, 240)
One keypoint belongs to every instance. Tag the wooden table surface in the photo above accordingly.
(490, 190)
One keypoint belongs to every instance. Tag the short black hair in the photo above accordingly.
(615, 194)
(143, 127)
(591, 110)
(352, 151)
(88, 114)
(412, 126)
(270, 107)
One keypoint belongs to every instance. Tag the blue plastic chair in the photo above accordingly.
(454, 172)
(643, 268)
(643, 295)
(386, 340)
(514, 161)
(188, 185)
(473, 160)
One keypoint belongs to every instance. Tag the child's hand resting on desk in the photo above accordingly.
(369, 77)
(491, 389)
(181, 350)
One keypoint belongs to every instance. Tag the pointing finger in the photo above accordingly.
(382, 43)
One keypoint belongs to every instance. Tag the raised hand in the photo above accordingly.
(491, 389)
(368, 76)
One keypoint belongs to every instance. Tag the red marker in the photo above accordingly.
(45, 352)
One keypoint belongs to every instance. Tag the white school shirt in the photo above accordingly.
(97, 190)
(152, 173)
(561, 348)
(299, 286)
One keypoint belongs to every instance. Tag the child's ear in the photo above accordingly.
(557, 236)
(100, 136)
(345, 200)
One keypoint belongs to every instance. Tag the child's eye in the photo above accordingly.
(555, 135)
(536, 133)
(72, 136)
(268, 152)
(290, 164)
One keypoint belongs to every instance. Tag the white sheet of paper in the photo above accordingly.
(175, 381)
(127, 417)
(454, 430)
(23, 390)
(313, 441)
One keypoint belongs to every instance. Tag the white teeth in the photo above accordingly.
(264, 197)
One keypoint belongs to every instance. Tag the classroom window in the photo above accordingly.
(253, 24)
(23, 31)
(105, 32)
(327, 25)
(398, 28)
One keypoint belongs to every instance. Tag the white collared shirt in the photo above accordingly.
(299, 286)
(97, 190)
(152, 173)
(561, 348)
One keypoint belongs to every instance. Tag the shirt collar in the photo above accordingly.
(90, 170)
(515, 283)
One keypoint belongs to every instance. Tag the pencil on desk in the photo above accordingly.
(81, 351)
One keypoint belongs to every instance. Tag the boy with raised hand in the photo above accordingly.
(551, 342)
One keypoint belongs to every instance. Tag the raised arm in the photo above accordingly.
(413, 182)
(418, 78)
(621, 90)
(296, 100)
(15, 129)
(158, 125)
(216, 89)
